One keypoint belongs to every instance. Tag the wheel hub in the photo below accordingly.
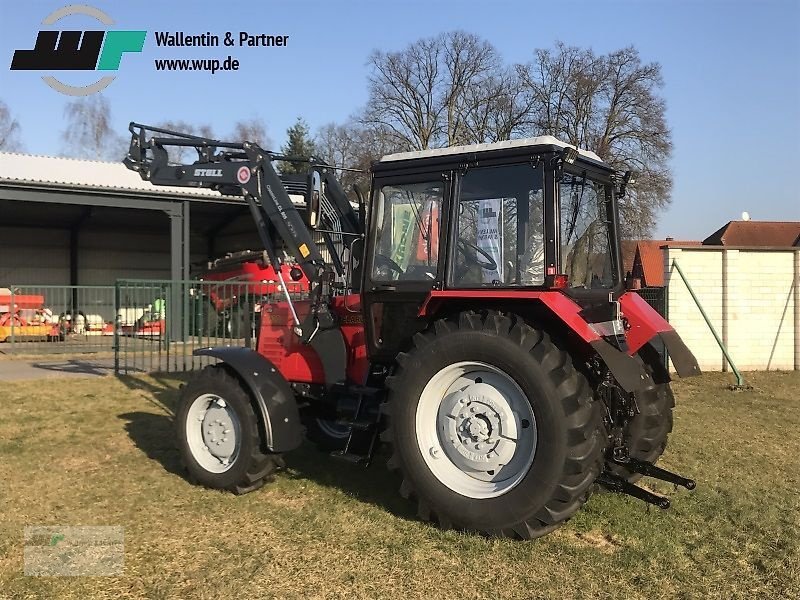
(480, 430)
(212, 433)
(218, 434)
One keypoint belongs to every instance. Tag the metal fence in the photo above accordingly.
(160, 323)
(149, 325)
(48, 319)
(655, 297)
(139, 326)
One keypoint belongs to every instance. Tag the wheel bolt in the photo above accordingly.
(226, 431)
(224, 439)
(434, 452)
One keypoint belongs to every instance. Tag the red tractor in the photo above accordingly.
(477, 325)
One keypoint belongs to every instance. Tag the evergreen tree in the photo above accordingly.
(299, 144)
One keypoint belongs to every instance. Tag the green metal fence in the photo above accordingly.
(56, 319)
(160, 323)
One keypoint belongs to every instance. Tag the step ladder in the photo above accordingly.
(362, 441)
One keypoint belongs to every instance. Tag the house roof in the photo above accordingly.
(628, 254)
(650, 255)
(756, 233)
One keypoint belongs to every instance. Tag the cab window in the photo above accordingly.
(408, 228)
(499, 228)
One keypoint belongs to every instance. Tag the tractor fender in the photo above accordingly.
(629, 371)
(277, 408)
(646, 325)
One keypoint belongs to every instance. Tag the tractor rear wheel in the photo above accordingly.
(493, 429)
(218, 434)
(646, 434)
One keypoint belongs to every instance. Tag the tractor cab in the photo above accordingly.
(525, 215)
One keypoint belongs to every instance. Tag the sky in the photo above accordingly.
(731, 70)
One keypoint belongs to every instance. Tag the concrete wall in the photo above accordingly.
(751, 297)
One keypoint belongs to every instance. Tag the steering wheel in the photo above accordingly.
(473, 253)
(381, 260)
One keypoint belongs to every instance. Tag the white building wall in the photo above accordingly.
(749, 296)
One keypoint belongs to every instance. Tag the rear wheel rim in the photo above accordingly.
(476, 430)
(213, 433)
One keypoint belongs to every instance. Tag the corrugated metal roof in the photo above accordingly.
(756, 233)
(51, 171)
(542, 140)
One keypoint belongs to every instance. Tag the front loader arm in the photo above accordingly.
(239, 168)
(245, 168)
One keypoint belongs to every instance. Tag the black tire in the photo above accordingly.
(252, 467)
(325, 434)
(646, 434)
(569, 451)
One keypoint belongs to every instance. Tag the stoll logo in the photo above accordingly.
(78, 50)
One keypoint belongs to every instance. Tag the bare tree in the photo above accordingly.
(253, 130)
(9, 130)
(442, 91)
(610, 104)
(89, 132)
(354, 146)
(178, 154)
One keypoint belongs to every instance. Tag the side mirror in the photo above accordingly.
(295, 273)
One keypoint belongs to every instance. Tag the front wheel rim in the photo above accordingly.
(213, 433)
(332, 429)
(476, 430)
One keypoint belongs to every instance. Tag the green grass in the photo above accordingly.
(100, 452)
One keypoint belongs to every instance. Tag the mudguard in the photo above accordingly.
(646, 324)
(628, 367)
(273, 396)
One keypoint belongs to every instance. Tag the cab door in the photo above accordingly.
(408, 221)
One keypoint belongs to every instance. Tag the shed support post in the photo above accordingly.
(179, 270)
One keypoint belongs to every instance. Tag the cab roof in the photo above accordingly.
(543, 142)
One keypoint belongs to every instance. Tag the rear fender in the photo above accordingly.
(646, 325)
(628, 370)
(274, 399)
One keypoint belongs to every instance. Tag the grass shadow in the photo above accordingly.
(374, 485)
(76, 367)
(154, 434)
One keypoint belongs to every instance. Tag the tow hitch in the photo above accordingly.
(615, 483)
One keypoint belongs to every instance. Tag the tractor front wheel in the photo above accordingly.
(493, 429)
(218, 434)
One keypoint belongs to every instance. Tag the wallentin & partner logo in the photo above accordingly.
(78, 50)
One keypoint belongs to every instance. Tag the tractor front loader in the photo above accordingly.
(473, 319)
